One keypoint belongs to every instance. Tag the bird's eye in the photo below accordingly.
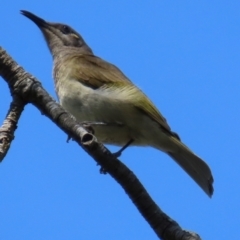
(65, 29)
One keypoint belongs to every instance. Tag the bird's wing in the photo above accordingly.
(97, 73)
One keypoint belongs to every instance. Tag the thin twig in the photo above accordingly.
(10, 125)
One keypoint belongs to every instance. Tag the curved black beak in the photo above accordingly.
(37, 20)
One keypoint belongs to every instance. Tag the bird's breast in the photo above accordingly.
(93, 106)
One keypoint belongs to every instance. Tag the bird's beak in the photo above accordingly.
(37, 20)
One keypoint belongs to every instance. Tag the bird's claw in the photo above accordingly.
(69, 138)
(88, 127)
(102, 170)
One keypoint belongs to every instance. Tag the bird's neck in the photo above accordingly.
(59, 52)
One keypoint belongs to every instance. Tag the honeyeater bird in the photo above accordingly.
(98, 94)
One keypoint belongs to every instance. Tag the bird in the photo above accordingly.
(99, 95)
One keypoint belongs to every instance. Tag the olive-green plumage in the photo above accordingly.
(96, 91)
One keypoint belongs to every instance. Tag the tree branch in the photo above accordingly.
(10, 125)
(29, 90)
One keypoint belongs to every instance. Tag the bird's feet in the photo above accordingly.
(119, 152)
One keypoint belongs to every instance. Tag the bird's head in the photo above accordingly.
(59, 36)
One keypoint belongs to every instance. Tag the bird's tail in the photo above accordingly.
(193, 165)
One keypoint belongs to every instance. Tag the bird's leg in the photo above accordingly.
(89, 125)
(119, 124)
(119, 152)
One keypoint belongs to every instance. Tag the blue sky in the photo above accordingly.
(185, 55)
